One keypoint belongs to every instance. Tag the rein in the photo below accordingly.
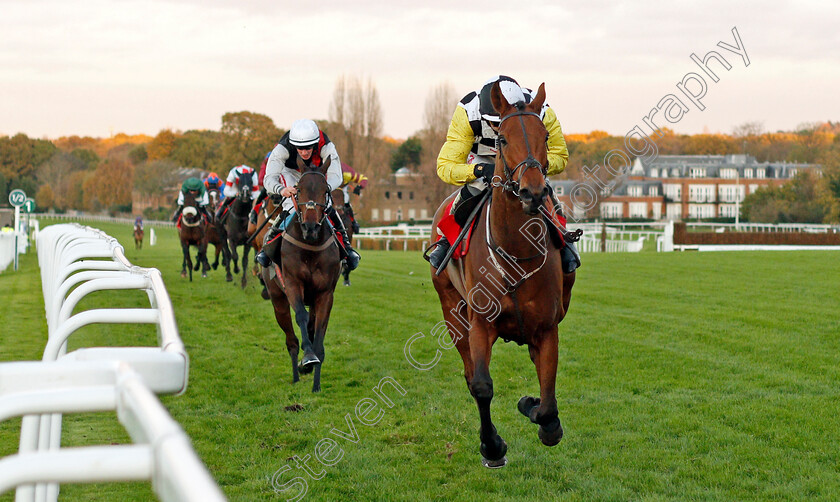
(311, 205)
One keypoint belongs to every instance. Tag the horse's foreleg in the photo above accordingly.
(202, 253)
(245, 251)
(543, 411)
(234, 256)
(318, 321)
(302, 319)
(493, 447)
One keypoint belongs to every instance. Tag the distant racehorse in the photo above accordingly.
(216, 235)
(310, 264)
(236, 226)
(138, 237)
(191, 232)
(338, 195)
(511, 284)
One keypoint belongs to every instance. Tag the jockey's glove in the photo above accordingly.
(484, 170)
(357, 190)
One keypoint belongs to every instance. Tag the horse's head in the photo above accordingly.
(312, 197)
(244, 186)
(522, 163)
(213, 196)
(190, 215)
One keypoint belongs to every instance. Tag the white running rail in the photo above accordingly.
(85, 260)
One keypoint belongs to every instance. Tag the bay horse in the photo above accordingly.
(511, 283)
(338, 195)
(138, 237)
(216, 236)
(307, 275)
(191, 232)
(236, 225)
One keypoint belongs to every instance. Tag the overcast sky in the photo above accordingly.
(97, 67)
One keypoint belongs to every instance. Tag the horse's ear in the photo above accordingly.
(537, 103)
(500, 104)
(325, 165)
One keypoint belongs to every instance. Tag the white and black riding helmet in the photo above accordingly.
(304, 134)
(511, 90)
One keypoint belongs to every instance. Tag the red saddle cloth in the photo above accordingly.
(451, 229)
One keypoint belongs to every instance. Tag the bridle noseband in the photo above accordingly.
(509, 184)
(311, 204)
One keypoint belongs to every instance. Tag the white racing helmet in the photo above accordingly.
(304, 133)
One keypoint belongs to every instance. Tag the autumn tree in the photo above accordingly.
(246, 138)
(201, 149)
(57, 174)
(153, 178)
(20, 155)
(109, 187)
(44, 198)
(161, 147)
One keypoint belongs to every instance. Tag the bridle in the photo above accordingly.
(311, 205)
(509, 184)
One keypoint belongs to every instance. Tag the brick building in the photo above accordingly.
(678, 187)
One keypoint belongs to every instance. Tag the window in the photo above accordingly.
(728, 173)
(792, 172)
(387, 195)
(399, 195)
(653, 190)
(410, 195)
(638, 210)
(386, 215)
(558, 190)
(634, 190)
(654, 172)
(412, 213)
(374, 214)
(759, 172)
(697, 172)
(748, 172)
(611, 210)
(424, 214)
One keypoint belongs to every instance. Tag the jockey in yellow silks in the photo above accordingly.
(351, 176)
(468, 157)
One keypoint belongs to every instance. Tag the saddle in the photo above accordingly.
(452, 223)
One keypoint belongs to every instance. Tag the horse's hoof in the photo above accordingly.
(264, 293)
(494, 464)
(551, 437)
(215, 266)
(204, 275)
(306, 370)
(346, 283)
(183, 274)
(309, 360)
(229, 278)
(526, 404)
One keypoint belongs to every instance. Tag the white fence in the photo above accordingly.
(76, 261)
(7, 247)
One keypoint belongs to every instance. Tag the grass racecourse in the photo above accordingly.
(682, 376)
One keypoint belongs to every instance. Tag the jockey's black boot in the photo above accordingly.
(221, 210)
(350, 255)
(272, 240)
(569, 257)
(436, 257)
(252, 216)
(177, 214)
(349, 210)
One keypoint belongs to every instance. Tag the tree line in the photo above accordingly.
(100, 175)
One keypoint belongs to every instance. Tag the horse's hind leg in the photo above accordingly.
(284, 319)
(543, 411)
(568, 283)
(234, 257)
(346, 273)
